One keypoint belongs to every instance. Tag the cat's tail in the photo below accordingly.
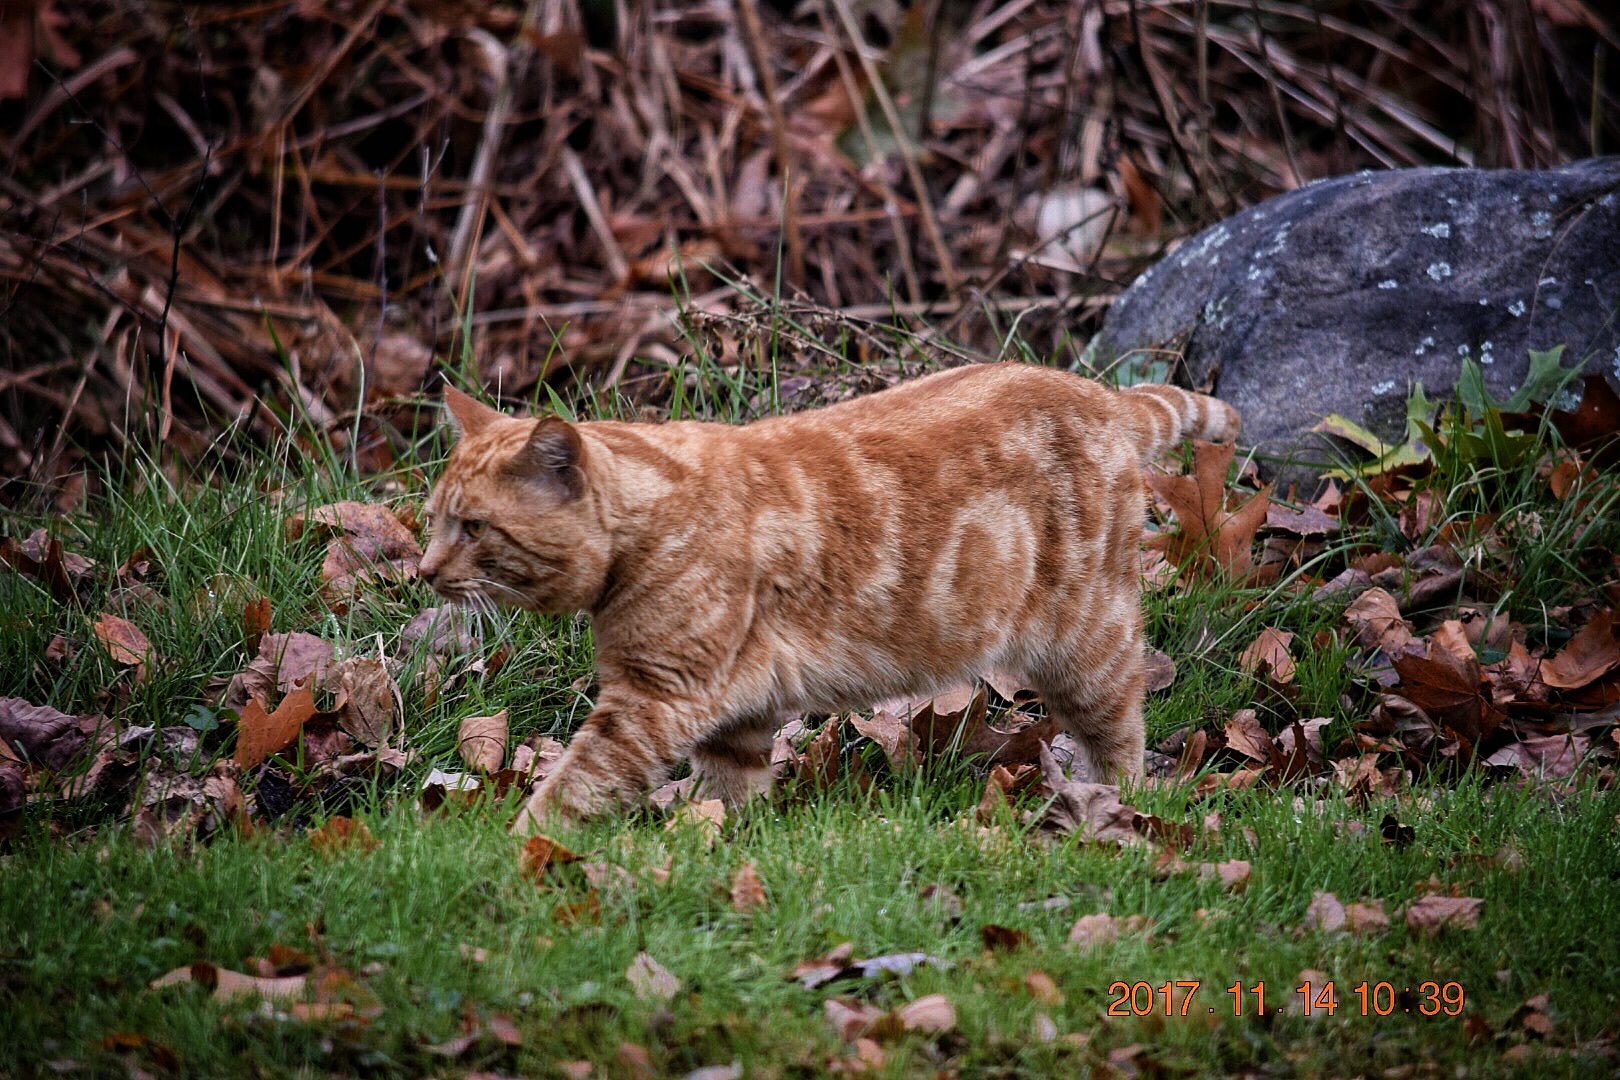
(1164, 415)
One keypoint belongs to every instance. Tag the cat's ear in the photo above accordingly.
(466, 413)
(553, 456)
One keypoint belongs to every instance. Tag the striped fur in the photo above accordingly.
(983, 517)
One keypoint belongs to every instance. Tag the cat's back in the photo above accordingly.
(992, 395)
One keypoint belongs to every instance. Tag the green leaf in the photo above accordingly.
(559, 406)
(1347, 429)
(201, 718)
(1544, 380)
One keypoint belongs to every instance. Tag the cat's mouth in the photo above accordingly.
(481, 595)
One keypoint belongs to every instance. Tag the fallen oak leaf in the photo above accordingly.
(650, 980)
(1101, 928)
(1366, 917)
(540, 853)
(1210, 537)
(285, 662)
(747, 890)
(481, 741)
(343, 833)
(1245, 735)
(1043, 988)
(1091, 811)
(587, 911)
(255, 622)
(823, 969)
(1233, 874)
(892, 735)
(440, 787)
(934, 1014)
(997, 787)
(1586, 657)
(1158, 671)
(1434, 913)
(369, 704)
(124, 643)
(1376, 619)
(1267, 656)
(838, 965)
(1003, 938)
(260, 734)
(39, 732)
(706, 816)
(1325, 913)
(850, 1019)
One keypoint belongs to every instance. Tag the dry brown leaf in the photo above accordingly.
(1003, 938)
(1444, 912)
(705, 815)
(1452, 691)
(285, 662)
(1267, 656)
(1376, 619)
(1211, 537)
(1158, 671)
(540, 853)
(1092, 812)
(481, 741)
(1093, 930)
(650, 980)
(606, 877)
(997, 787)
(824, 969)
(747, 890)
(1366, 917)
(892, 734)
(1587, 657)
(343, 833)
(1043, 988)
(501, 1028)
(580, 913)
(39, 733)
(1453, 639)
(933, 1013)
(255, 622)
(260, 734)
(125, 643)
(1233, 874)
(366, 541)
(1325, 913)
(1245, 735)
(948, 721)
(369, 703)
(849, 1019)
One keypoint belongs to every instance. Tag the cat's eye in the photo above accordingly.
(473, 527)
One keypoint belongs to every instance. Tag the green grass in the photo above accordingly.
(88, 917)
(89, 924)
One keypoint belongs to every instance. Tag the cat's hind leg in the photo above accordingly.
(734, 763)
(1094, 690)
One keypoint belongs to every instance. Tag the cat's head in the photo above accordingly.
(514, 518)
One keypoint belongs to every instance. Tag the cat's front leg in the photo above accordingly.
(624, 748)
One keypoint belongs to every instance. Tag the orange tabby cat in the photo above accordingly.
(983, 517)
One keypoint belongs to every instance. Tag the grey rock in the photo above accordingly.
(1336, 297)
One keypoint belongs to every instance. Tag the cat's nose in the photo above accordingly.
(428, 569)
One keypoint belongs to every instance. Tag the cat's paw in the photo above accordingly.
(555, 805)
